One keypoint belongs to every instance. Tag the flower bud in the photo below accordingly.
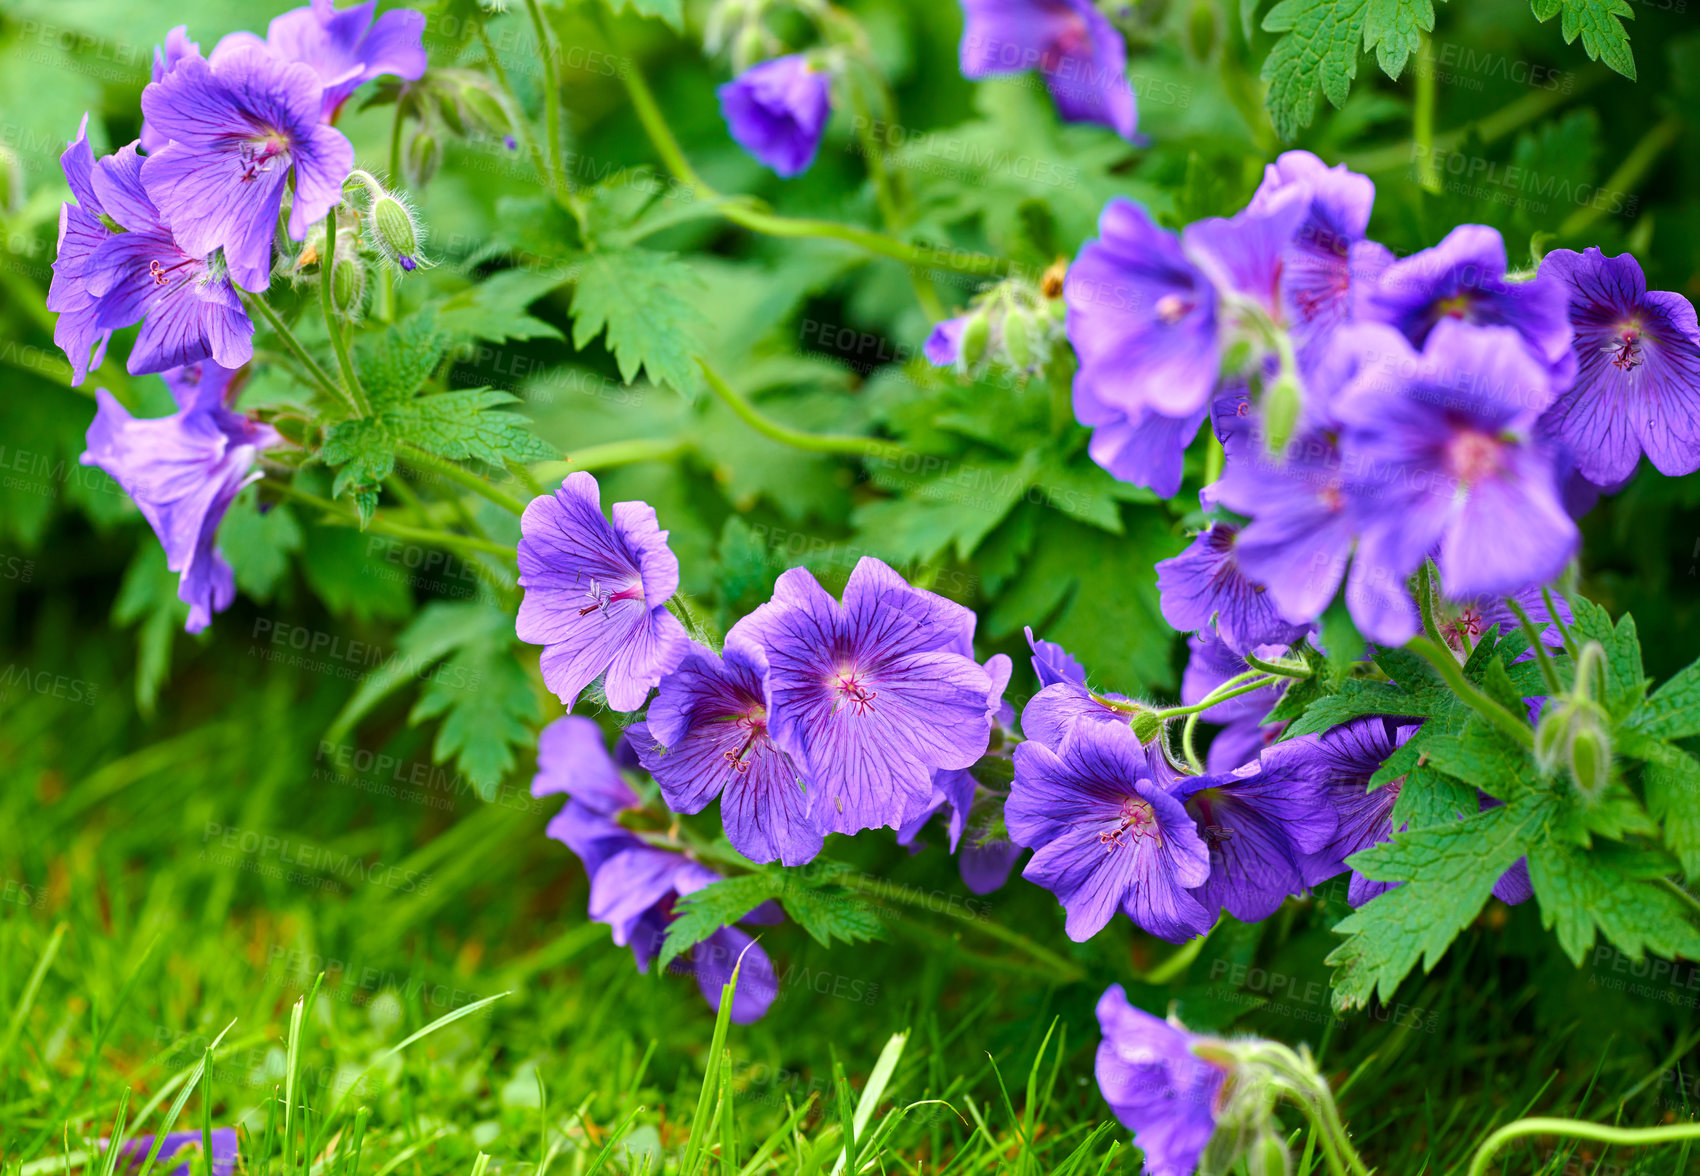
(1017, 339)
(750, 46)
(1146, 725)
(424, 156)
(394, 232)
(486, 110)
(1573, 735)
(1280, 411)
(348, 285)
(1201, 29)
(974, 338)
(1267, 1156)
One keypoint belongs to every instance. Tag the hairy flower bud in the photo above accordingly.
(1268, 1156)
(395, 232)
(486, 110)
(1017, 339)
(424, 156)
(348, 284)
(1281, 404)
(974, 338)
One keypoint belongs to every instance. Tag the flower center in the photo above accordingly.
(1138, 819)
(1172, 308)
(1624, 350)
(849, 685)
(753, 724)
(257, 154)
(1474, 455)
(601, 600)
(1457, 306)
(160, 273)
(1073, 39)
(1468, 623)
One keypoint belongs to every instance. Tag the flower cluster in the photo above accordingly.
(1373, 412)
(169, 230)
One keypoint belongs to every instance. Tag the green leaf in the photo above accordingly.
(1355, 699)
(1614, 893)
(1394, 29)
(1673, 712)
(1626, 684)
(831, 912)
(488, 709)
(1483, 756)
(1317, 53)
(1600, 25)
(258, 545)
(495, 308)
(439, 629)
(338, 566)
(461, 425)
(1672, 784)
(641, 298)
(671, 11)
(148, 595)
(719, 904)
(394, 362)
(957, 509)
(1448, 873)
(362, 452)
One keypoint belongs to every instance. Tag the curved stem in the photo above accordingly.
(1578, 1129)
(1279, 669)
(327, 302)
(1680, 892)
(385, 526)
(415, 456)
(611, 454)
(1442, 660)
(551, 97)
(1630, 172)
(522, 128)
(1422, 119)
(785, 434)
(1549, 672)
(1221, 694)
(294, 347)
(1187, 745)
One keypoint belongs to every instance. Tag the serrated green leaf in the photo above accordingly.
(440, 628)
(1626, 683)
(1672, 782)
(1448, 872)
(719, 904)
(258, 544)
(829, 912)
(1481, 755)
(461, 425)
(639, 297)
(394, 362)
(495, 308)
(362, 451)
(1600, 25)
(488, 709)
(1355, 699)
(1613, 893)
(1393, 29)
(1673, 711)
(1317, 53)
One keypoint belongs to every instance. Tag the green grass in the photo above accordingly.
(469, 1019)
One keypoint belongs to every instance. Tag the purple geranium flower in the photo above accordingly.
(944, 345)
(1327, 257)
(182, 1145)
(1140, 446)
(1338, 765)
(346, 47)
(1107, 834)
(1206, 582)
(707, 736)
(1141, 319)
(165, 58)
(1158, 1088)
(1462, 279)
(1244, 255)
(1637, 386)
(1441, 458)
(778, 110)
(572, 758)
(1081, 56)
(1260, 822)
(183, 471)
(596, 594)
(1052, 663)
(240, 125)
(873, 696)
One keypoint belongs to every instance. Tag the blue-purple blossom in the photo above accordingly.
(1078, 52)
(1158, 1088)
(1206, 583)
(346, 47)
(944, 345)
(1052, 663)
(706, 736)
(1140, 446)
(104, 280)
(1462, 279)
(165, 58)
(1260, 822)
(1339, 765)
(1637, 387)
(1107, 834)
(1244, 255)
(183, 1146)
(1441, 458)
(777, 111)
(873, 696)
(573, 759)
(596, 594)
(242, 125)
(183, 471)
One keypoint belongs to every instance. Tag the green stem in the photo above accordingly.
(1680, 892)
(667, 147)
(785, 435)
(1425, 604)
(1187, 744)
(1548, 670)
(1630, 172)
(1570, 646)
(294, 347)
(521, 127)
(1578, 1129)
(610, 455)
(1440, 657)
(327, 301)
(1252, 681)
(1422, 120)
(419, 458)
(551, 97)
(383, 526)
(1279, 669)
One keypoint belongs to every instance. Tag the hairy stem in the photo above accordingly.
(1442, 660)
(383, 526)
(327, 302)
(1234, 687)
(551, 98)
